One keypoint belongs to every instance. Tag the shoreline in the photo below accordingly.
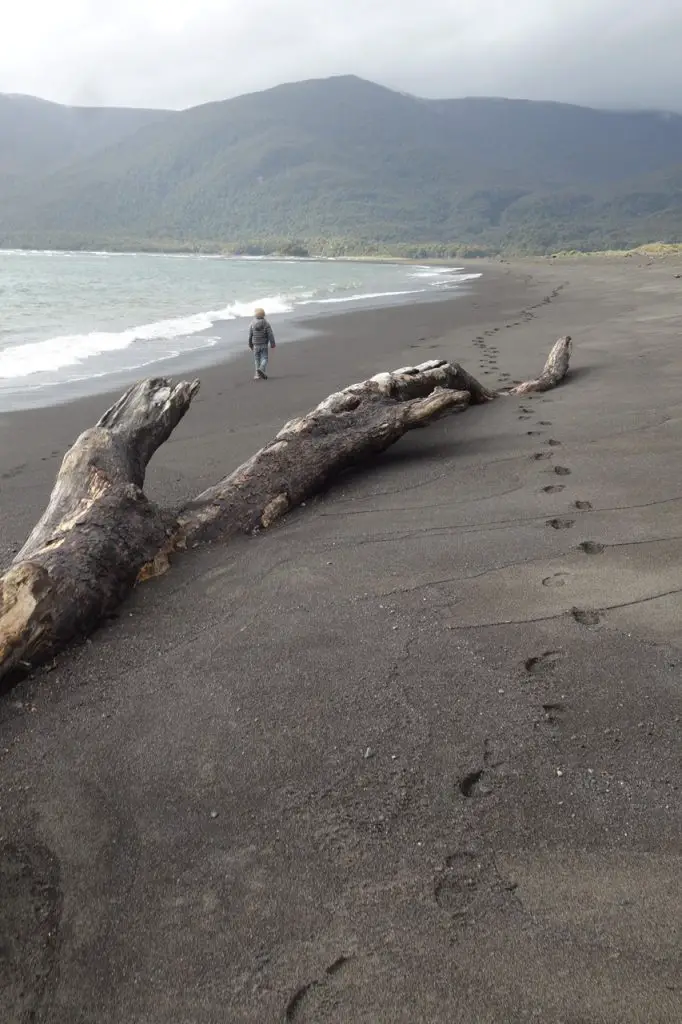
(223, 340)
(413, 754)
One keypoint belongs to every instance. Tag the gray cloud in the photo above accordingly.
(622, 53)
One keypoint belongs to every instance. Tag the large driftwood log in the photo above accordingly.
(84, 554)
(99, 533)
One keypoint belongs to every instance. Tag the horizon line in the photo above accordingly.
(328, 78)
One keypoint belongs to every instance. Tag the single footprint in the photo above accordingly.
(562, 471)
(542, 662)
(337, 964)
(560, 524)
(470, 785)
(465, 879)
(15, 471)
(544, 423)
(533, 433)
(552, 709)
(554, 443)
(586, 616)
(557, 579)
(541, 457)
(295, 1003)
(591, 547)
(584, 506)
(552, 488)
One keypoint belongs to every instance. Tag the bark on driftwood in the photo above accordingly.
(100, 534)
(84, 554)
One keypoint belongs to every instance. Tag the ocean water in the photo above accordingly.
(75, 323)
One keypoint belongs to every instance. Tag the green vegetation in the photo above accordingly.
(266, 246)
(342, 167)
(653, 249)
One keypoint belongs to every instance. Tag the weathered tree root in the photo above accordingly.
(84, 554)
(99, 533)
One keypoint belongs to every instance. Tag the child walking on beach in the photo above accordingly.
(260, 337)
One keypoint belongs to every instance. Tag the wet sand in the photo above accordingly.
(412, 756)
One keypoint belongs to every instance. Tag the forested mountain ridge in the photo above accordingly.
(347, 159)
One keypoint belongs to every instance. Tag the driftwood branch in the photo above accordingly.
(100, 534)
(554, 371)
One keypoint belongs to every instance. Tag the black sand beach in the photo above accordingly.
(414, 754)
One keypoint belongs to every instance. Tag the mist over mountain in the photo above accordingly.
(38, 137)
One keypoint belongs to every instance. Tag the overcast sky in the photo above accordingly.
(176, 53)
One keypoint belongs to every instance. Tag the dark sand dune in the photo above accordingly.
(412, 756)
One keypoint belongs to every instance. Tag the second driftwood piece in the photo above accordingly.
(345, 429)
(362, 420)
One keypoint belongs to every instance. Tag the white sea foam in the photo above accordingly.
(360, 296)
(72, 349)
(459, 278)
(435, 272)
(64, 252)
(271, 304)
(442, 276)
(455, 278)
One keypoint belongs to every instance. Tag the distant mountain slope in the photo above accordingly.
(37, 137)
(344, 157)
